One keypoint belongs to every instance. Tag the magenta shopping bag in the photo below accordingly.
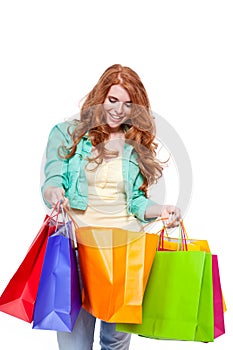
(219, 325)
(58, 300)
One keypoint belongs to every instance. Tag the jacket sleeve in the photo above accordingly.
(139, 202)
(56, 168)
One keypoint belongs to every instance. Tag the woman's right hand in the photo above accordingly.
(54, 194)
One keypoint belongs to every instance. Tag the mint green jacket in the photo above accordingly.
(70, 173)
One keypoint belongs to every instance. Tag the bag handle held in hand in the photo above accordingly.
(55, 214)
(183, 237)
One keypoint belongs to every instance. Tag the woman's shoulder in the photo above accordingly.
(67, 126)
(63, 129)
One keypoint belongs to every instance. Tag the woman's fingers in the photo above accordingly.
(173, 214)
(65, 202)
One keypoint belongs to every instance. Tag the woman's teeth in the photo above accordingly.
(116, 117)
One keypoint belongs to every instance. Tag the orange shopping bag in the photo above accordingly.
(115, 266)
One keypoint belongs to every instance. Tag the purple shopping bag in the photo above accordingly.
(58, 300)
(219, 326)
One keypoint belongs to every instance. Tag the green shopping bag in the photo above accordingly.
(178, 301)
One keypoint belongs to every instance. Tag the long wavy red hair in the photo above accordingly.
(140, 130)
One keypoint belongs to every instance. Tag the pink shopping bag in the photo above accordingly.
(219, 326)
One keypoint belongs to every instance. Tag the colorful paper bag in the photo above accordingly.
(19, 296)
(184, 243)
(58, 300)
(115, 265)
(219, 324)
(178, 301)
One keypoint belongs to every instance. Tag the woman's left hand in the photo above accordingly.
(172, 215)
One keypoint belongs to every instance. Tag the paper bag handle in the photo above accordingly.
(183, 236)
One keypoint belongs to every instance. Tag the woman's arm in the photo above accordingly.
(56, 167)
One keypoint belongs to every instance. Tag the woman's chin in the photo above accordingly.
(114, 126)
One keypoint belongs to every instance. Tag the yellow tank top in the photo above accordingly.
(106, 198)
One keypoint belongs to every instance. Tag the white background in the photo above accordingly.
(53, 52)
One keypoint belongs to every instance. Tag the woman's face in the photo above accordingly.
(117, 106)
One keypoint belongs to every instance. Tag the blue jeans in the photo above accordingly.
(82, 336)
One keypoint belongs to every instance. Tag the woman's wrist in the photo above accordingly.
(153, 211)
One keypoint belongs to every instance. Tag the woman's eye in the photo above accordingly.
(115, 100)
(112, 100)
(128, 104)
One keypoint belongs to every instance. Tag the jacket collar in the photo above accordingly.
(87, 147)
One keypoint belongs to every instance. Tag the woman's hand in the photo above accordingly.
(54, 194)
(172, 215)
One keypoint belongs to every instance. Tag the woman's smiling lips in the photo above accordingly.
(116, 117)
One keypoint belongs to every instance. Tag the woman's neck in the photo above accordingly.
(117, 134)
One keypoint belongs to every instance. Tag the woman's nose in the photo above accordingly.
(119, 108)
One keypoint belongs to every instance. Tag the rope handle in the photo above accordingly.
(54, 215)
(77, 227)
(70, 216)
(183, 237)
(161, 232)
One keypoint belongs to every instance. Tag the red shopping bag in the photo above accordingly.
(19, 296)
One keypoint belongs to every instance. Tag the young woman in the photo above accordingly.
(101, 167)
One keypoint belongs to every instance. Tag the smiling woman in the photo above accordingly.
(101, 167)
(135, 124)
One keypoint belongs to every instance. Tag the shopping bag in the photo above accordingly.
(115, 265)
(184, 243)
(218, 301)
(178, 301)
(19, 296)
(58, 300)
(219, 324)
